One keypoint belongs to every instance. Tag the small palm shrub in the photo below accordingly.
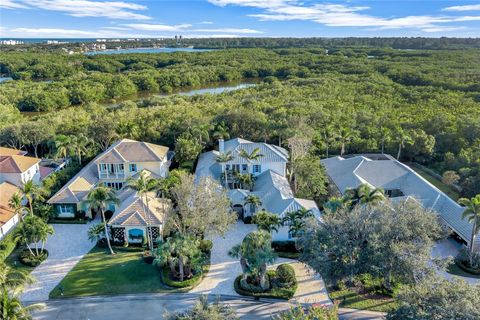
(285, 275)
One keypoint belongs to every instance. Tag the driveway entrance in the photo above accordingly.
(223, 268)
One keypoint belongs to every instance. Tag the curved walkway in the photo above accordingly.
(66, 247)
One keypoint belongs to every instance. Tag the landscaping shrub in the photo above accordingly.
(274, 291)
(285, 275)
(284, 246)
(80, 215)
(205, 246)
(7, 245)
(166, 279)
(247, 220)
(246, 285)
(30, 260)
(468, 262)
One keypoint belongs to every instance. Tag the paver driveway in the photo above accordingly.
(66, 247)
(223, 268)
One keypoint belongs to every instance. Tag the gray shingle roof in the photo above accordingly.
(392, 174)
(134, 211)
(121, 151)
(270, 152)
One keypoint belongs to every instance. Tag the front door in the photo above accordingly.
(238, 208)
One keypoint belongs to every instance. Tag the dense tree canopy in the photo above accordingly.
(424, 104)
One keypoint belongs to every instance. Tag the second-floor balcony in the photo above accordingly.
(112, 175)
(111, 171)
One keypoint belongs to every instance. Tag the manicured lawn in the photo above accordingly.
(456, 270)
(100, 273)
(437, 183)
(352, 299)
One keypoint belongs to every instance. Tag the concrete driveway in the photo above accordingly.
(66, 247)
(448, 248)
(223, 268)
(154, 306)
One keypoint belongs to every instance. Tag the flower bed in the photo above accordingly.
(275, 291)
(463, 265)
(26, 258)
(193, 281)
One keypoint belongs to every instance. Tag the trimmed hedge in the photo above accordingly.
(461, 265)
(193, 281)
(284, 246)
(67, 221)
(7, 245)
(26, 258)
(275, 291)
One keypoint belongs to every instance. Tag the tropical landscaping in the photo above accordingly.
(372, 253)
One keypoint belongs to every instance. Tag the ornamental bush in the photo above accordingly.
(26, 258)
(286, 275)
(205, 246)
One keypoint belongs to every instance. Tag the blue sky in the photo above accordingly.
(237, 18)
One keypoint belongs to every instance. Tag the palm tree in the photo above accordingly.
(63, 146)
(267, 221)
(95, 232)
(245, 180)
(34, 231)
(11, 307)
(255, 252)
(15, 203)
(221, 131)
(254, 201)
(385, 136)
(296, 220)
(79, 146)
(345, 135)
(31, 192)
(403, 138)
(334, 204)
(364, 194)
(98, 198)
(223, 158)
(13, 279)
(143, 185)
(472, 214)
(255, 155)
(329, 136)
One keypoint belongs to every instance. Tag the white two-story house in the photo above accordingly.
(15, 169)
(269, 173)
(123, 160)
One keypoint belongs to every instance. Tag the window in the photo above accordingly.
(65, 208)
(114, 185)
(257, 168)
(227, 167)
(244, 167)
(133, 167)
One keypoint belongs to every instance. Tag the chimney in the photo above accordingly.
(221, 145)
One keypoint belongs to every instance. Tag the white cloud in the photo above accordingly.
(229, 30)
(205, 22)
(11, 4)
(340, 15)
(157, 27)
(443, 29)
(67, 33)
(472, 7)
(85, 8)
